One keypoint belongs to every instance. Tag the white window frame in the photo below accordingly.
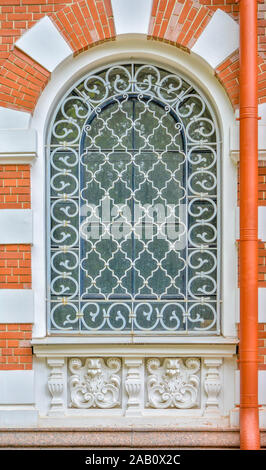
(135, 48)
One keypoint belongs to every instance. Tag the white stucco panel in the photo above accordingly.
(13, 119)
(16, 387)
(16, 226)
(219, 39)
(18, 142)
(132, 16)
(16, 306)
(45, 44)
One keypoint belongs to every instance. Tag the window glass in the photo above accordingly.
(133, 221)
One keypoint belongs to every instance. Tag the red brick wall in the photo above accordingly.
(14, 187)
(17, 16)
(15, 347)
(15, 268)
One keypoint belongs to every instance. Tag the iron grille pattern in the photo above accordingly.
(133, 222)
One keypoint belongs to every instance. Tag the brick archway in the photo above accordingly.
(86, 23)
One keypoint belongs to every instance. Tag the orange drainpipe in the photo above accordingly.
(249, 419)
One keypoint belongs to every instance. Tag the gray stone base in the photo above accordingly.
(119, 439)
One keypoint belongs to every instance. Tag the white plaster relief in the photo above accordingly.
(96, 384)
(56, 385)
(174, 384)
(219, 39)
(212, 385)
(133, 385)
(44, 44)
(131, 16)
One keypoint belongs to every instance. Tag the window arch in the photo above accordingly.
(133, 210)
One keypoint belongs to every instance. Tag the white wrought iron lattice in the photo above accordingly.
(133, 222)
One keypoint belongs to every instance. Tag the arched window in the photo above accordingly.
(133, 155)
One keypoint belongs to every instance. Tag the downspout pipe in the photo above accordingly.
(248, 116)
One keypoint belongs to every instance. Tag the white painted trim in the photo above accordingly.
(18, 145)
(261, 386)
(132, 16)
(133, 350)
(16, 387)
(261, 305)
(124, 49)
(219, 39)
(18, 159)
(44, 44)
(16, 306)
(16, 226)
(13, 119)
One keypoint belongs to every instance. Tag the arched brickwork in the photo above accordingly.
(86, 23)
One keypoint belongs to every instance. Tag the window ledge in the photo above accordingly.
(73, 346)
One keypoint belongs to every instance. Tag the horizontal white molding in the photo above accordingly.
(44, 44)
(42, 349)
(234, 142)
(219, 39)
(13, 119)
(261, 384)
(261, 305)
(261, 223)
(16, 226)
(16, 387)
(18, 418)
(18, 145)
(16, 306)
(131, 16)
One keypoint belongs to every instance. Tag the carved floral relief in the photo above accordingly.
(96, 384)
(173, 383)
